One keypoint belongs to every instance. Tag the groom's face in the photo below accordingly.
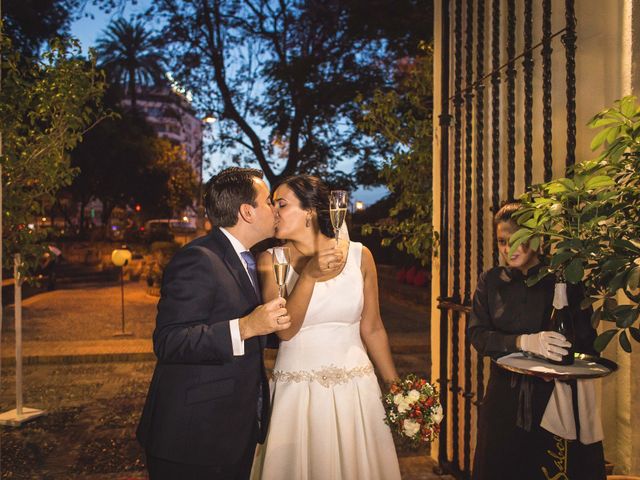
(265, 219)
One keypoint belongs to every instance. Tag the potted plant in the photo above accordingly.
(590, 221)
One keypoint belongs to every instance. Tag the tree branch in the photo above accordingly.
(213, 23)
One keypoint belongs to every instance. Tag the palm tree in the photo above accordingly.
(129, 54)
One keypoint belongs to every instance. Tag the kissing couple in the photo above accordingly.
(210, 403)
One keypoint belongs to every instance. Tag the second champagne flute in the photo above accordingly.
(281, 260)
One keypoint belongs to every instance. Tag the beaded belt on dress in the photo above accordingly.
(326, 376)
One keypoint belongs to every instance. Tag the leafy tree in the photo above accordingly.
(181, 183)
(401, 122)
(122, 163)
(30, 23)
(113, 161)
(45, 106)
(283, 76)
(130, 55)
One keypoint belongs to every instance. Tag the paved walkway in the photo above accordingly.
(77, 370)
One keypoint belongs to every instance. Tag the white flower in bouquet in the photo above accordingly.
(401, 402)
(410, 427)
(413, 396)
(438, 415)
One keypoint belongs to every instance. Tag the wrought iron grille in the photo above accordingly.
(482, 117)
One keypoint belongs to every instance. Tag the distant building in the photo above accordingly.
(172, 117)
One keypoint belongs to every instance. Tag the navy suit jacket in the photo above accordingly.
(204, 405)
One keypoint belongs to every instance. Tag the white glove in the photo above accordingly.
(546, 344)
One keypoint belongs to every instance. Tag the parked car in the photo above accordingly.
(166, 229)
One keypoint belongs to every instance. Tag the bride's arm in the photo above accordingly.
(297, 301)
(372, 330)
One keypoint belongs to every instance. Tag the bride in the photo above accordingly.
(327, 418)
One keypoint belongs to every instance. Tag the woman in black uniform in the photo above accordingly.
(508, 316)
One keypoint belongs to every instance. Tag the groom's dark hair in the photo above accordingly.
(225, 192)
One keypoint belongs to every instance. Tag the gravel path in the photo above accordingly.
(93, 408)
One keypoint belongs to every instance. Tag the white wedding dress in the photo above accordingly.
(327, 420)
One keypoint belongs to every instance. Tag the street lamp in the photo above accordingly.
(121, 257)
(359, 205)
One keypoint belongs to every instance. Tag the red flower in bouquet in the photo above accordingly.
(413, 410)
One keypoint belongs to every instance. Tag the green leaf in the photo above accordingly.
(633, 278)
(610, 303)
(613, 134)
(627, 106)
(601, 122)
(596, 317)
(518, 238)
(531, 281)
(622, 244)
(559, 258)
(587, 302)
(617, 282)
(603, 339)
(556, 187)
(534, 243)
(635, 333)
(599, 139)
(625, 316)
(572, 243)
(574, 271)
(624, 342)
(599, 181)
(614, 264)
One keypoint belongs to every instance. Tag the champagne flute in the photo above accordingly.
(281, 260)
(337, 210)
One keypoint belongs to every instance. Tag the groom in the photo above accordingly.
(208, 402)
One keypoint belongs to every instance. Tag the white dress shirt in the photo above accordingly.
(234, 327)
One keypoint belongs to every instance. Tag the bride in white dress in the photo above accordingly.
(327, 420)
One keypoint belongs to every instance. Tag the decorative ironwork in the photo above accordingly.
(569, 41)
(457, 170)
(479, 192)
(466, 434)
(467, 45)
(511, 99)
(468, 157)
(527, 64)
(457, 140)
(546, 88)
(468, 397)
(443, 251)
(495, 116)
(454, 386)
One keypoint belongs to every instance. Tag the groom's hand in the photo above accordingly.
(268, 318)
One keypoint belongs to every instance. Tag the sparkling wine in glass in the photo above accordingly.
(281, 260)
(337, 210)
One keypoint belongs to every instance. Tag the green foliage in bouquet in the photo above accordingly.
(591, 221)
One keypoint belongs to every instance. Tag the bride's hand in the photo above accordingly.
(325, 263)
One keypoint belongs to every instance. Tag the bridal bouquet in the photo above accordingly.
(413, 410)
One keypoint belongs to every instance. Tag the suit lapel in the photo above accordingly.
(234, 265)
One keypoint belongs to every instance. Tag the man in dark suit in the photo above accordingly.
(208, 402)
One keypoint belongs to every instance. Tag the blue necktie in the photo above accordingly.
(248, 257)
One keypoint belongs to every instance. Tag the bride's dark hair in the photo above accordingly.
(313, 194)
